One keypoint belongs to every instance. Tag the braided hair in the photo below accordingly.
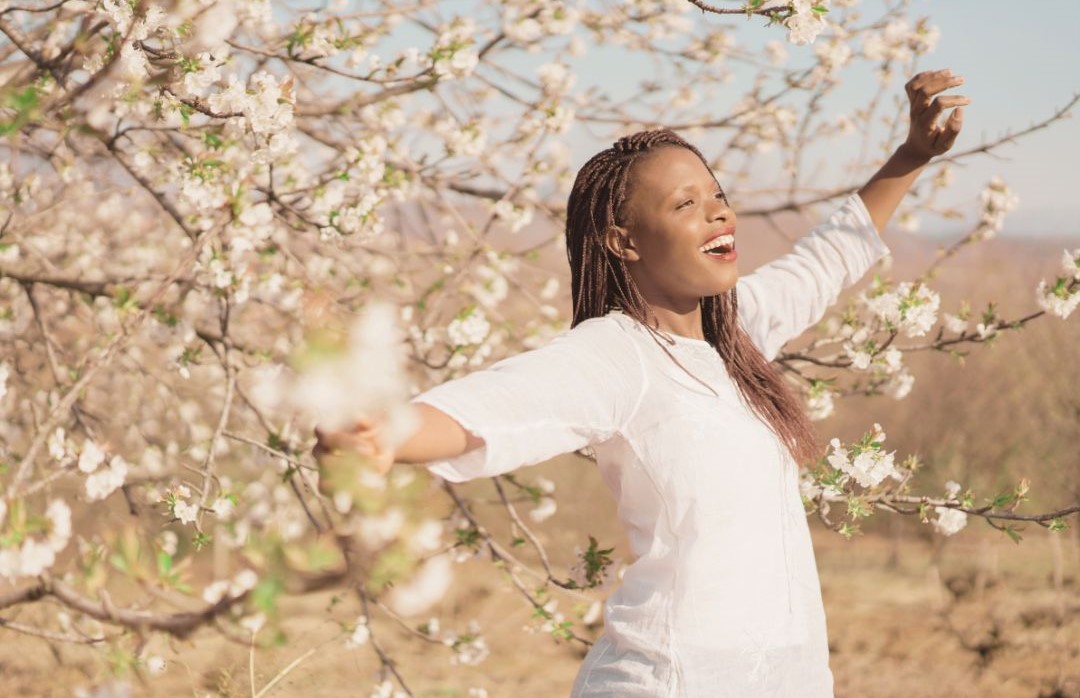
(600, 282)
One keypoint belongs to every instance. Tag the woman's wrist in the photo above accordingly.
(908, 156)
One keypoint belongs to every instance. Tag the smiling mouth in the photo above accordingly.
(719, 246)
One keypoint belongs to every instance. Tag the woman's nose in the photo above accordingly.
(720, 211)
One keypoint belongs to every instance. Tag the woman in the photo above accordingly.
(668, 378)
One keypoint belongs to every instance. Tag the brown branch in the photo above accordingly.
(746, 10)
(49, 634)
(177, 624)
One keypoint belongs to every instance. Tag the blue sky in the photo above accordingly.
(1019, 67)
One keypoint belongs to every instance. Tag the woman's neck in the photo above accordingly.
(682, 322)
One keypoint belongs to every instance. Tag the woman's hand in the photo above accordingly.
(334, 449)
(883, 192)
(926, 139)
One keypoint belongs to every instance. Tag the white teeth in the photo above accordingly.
(717, 242)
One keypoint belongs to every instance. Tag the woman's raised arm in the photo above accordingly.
(926, 139)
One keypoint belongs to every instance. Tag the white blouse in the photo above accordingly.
(723, 597)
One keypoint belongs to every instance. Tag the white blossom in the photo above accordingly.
(427, 586)
(776, 53)
(517, 217)
(899, 386)
(833, 54)
(555, 78)
(911, 309)
(1070, 263)
(954, 323)
(360, 634)
(59, 515)
(899, 40)
(90, 457)
(949, 520)
(367, 376)
(985, 330)
(544, 510)
(808, 487)
(427, 538)
(468, 330)
(869, 467)
(187, 512)
(805, 25)
(215, 24)
(169, 542)
(860, 358)
(215, 591)
(377, 530)
(197, 81)
(155, 665)
(1057, 299)
(819, 404)
(35, 557)
(102, 483)
(386, 689)
(997, 200)
(265, 104)
(467, 652)
(133, 63)
(223, 508)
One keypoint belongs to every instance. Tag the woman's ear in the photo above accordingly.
(617, 241)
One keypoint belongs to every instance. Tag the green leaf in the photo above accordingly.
(264, 595)
(164, 563)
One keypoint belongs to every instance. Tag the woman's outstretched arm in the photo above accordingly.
(926, 139)
(582, 387)
(437, 436)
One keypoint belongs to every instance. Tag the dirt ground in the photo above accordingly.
(985, 620)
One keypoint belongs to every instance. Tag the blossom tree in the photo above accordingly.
(221, 221)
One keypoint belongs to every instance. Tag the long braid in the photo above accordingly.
(600, 281)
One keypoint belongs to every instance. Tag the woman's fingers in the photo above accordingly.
(947, 136)
(940, 104)
(923, 86)
(343, 440)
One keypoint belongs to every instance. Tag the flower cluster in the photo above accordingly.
(865, 461)
(1063, 296)
(949, 520)
(996, 200)
(806, 20)
(899, 41)
(265, 104)
(911, 308)
(101, 483)
(36, 554)
(451, 56)
(819, 400)
(529, 21)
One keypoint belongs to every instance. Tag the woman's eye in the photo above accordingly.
(722, 196)
(685, 203)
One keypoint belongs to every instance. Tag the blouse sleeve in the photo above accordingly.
(580, 388)
(784, 297)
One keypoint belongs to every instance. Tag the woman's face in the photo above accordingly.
(676, 207)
